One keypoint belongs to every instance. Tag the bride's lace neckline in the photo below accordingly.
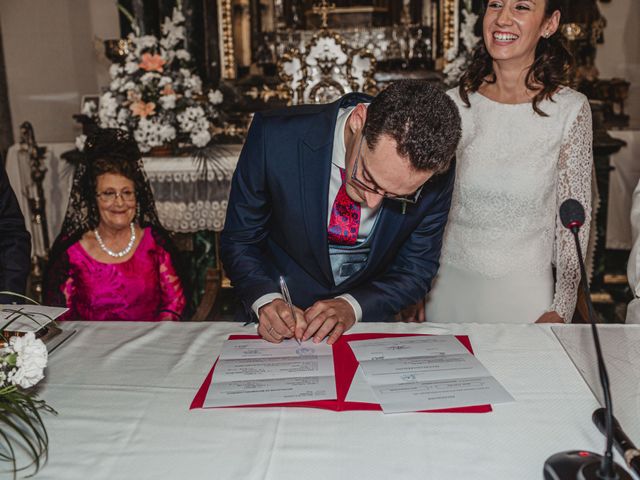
(495, 102)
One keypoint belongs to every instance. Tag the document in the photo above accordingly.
(27, 318)
(408, 374)
(256, 372)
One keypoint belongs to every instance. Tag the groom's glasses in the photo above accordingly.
(373, 187)
(109, 196)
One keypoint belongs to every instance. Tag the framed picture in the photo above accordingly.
(89, 105)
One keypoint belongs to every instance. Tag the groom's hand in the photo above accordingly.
(330, 317)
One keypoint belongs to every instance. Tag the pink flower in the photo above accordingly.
(142, 109)
(152, 63)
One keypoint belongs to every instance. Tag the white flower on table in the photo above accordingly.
(168, 102)
(182, 54)
(148, 77)
(131, 67)
(30, 362)
(115, 70)
(189, 118)
(142, 43)
(201, 138)
(215, 97)
(469, 39)
(167, 133)
(108, 108)
(80, 140)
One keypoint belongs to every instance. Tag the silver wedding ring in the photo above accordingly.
(270, 329)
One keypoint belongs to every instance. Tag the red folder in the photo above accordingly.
(345, 366)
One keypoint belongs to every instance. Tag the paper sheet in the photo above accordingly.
(407, 374)
(255, 372)
(28, 318)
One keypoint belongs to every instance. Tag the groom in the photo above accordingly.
(347, 202)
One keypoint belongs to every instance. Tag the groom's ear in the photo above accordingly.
(358, 118)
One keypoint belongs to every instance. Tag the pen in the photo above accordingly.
(287, 298)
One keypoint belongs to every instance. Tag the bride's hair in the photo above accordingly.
(551, 68)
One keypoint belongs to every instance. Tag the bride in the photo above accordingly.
(525, 148)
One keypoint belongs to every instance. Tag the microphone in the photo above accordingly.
(572, 215)
(576, 464)
(623, 444)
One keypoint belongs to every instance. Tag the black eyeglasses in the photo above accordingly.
(404, 199)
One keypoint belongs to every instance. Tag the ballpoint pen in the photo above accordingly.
(287, 298)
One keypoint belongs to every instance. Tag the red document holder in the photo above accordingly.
(345, 366)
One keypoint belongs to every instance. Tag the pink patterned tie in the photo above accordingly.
(345, 218)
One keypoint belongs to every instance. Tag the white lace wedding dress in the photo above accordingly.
(514, 169)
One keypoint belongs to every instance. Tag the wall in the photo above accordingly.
(619, 55)
(51, 61)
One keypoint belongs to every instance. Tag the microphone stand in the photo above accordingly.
(579, 464)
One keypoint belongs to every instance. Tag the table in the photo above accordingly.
(187, 201)
(123, 391)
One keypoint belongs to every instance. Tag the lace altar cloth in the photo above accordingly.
(186, 201)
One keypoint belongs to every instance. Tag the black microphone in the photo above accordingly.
(623, 444)
(577, 464)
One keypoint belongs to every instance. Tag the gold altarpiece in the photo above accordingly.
(402, 35)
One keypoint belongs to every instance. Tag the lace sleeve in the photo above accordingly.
(173, 301)
(574, 181)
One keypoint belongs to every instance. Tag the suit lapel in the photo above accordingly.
(315, 170)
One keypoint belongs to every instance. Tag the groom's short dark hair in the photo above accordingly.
(421, 118)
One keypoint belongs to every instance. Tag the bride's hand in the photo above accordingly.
(550, 317)
(413, 313)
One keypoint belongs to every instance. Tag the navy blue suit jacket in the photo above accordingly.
(15, 242)
(276, 220)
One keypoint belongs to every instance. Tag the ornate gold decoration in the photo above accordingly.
(226, 39)
(230, 130)
(449, 24)
(574, 31)
(266, 93)
(323, 9)
(328, 69)
(117, 49)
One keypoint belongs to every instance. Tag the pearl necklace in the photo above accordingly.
(121, 253)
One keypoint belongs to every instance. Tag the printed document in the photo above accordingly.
(408, 374)
(256, 372)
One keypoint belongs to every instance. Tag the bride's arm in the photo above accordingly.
(574, 181)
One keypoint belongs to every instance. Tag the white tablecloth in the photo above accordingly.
(186, 200)
(123, 391)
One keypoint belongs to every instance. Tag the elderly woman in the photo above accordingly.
(113, 259)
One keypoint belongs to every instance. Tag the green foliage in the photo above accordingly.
(22, 431)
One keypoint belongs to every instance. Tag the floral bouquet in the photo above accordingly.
(22, 361)
(156, 96)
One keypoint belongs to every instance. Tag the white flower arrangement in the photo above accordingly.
(22, 362)
(156, 95)
(457, 60)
